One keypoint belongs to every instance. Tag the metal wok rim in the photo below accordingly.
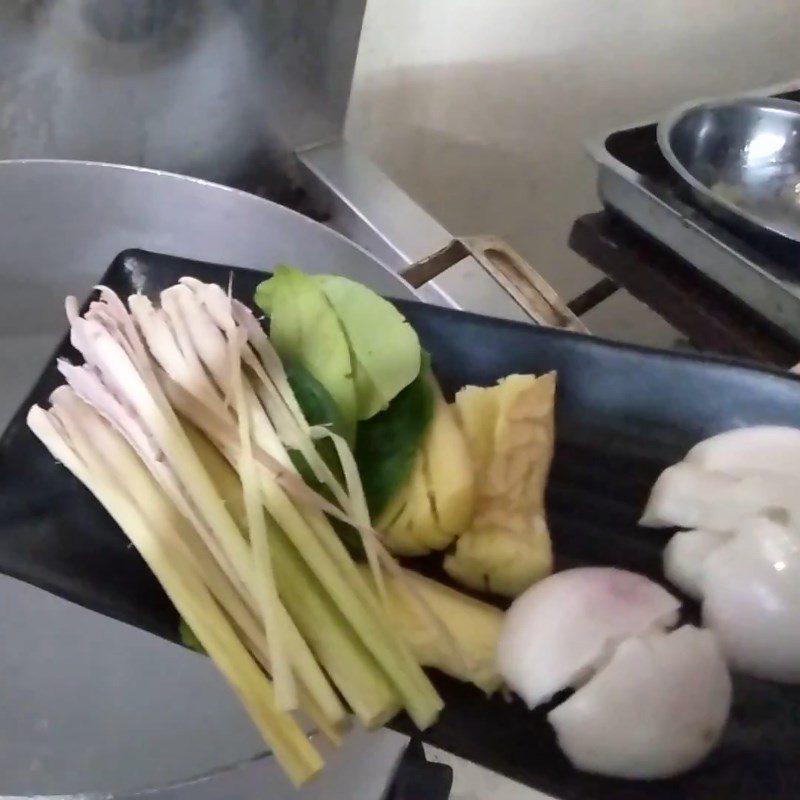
(240, 194)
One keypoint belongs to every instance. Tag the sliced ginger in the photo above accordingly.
(510, 430)
(479, 481)
(437, 502)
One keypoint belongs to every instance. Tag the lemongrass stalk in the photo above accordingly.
(106, 452)
(205, 337)
(418, 694)
(196, 605)
(281, 629)
(252, 420)
(292, 433)
(174, 353)
(90, 388)
(329, 560)
(157, 416)
(266, 590)
(120, 461)
(283, 424)
(360, 512)
(351, 667)
(137, 384)
(321, 526)
(367, 619)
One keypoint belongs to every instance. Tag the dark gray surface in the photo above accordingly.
(88, 703)
(91, 705)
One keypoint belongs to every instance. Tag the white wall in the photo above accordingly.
(480, 108)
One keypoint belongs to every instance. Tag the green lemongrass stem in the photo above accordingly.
(247, 405)
(273, 367)
(293, 434)
(286, 423)
(89, 387)
(354, 671)
(393, 568)
(357, 602)
(116, 457)
(275, 392)
(313, 517)
(355, 490)
(196, 605)
(407, 672)
(102, 352)
(276, 462)
(252, 417)
(104, 450)
(243, 568)
(159, 419)
(123, 360)
(327, 557)
(377, 554)
(266, 590)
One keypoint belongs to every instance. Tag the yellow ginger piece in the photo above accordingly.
(438, 500)
(510, 430)
(468, 649)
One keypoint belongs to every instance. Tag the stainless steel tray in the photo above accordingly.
(636, 181)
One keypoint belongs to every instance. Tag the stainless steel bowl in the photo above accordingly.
(741, 159)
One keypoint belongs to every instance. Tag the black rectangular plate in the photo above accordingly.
(623, 414)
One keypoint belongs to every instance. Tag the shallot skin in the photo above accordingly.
(655, 710)
(751, 591)
(554, 634)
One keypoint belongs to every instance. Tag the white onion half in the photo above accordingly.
(555, 633)
(685, 556)
(688, 496)
(648, 703)
(751, 589)
(655, 710)
(682, 496)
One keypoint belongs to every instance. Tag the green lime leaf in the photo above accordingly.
(316, 402)
(384, 348)
(388, 443)
(318, 408)
(305, 331)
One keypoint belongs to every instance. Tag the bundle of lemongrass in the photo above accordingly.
(181, 422)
